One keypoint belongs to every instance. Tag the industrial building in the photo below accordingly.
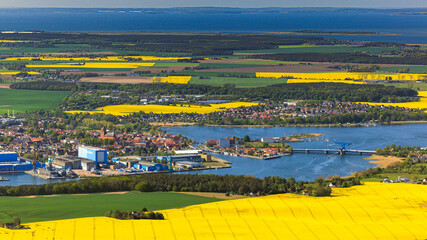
(188, 151)
(9, 162)
(150, 166)
(189, 164)
(8, 156)
(73, 162)
(98, 155)
(179, 158)
(270, 139)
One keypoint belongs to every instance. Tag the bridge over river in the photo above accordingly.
(334, 151)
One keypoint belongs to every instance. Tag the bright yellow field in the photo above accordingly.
(14, 73)
(343, 76)
(422, 104)
(92, 65)
(371, 211)
(108, 58)
(172, 79)
(121, 110)
(318, 81)
(15, 41)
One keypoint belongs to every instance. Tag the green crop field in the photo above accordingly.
(73, 70)
(58, 48)
(66, 206)
(227, 65)
(209, 74)
(28, 100)
(412, 69)
(239, 82)
(176, 64)
(410, 84)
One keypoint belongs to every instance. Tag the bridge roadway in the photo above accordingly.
(333, 151)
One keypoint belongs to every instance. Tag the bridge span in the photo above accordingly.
(334, 151)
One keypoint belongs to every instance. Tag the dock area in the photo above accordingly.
(44, 176)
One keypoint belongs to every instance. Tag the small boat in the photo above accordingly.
(4, 178)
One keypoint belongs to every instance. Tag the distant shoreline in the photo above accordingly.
(181, 124)
(309, 32)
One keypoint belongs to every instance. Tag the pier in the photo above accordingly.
(334, 151)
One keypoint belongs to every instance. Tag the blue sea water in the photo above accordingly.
(410, 28)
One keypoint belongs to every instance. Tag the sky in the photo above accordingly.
(213, 3)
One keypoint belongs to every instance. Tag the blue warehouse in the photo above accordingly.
(98, 155)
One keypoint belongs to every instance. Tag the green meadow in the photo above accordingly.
(29, 100)
(66, 206)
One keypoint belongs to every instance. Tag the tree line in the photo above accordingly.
(416, 59)
(382, 116)
(279, 92)
(171, 182)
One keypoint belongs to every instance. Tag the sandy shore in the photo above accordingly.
(383, 162)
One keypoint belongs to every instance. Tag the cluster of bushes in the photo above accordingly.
(345, 182)
(143, 214)
(15, 224)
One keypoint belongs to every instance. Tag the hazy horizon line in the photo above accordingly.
(383, 8)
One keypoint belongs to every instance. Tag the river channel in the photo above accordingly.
(301, 166)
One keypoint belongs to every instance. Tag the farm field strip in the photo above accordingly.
(239, 82)
(323, 80)
(108, 58)
(29, 100)
(172, 79)
(344, 76)
(370, 211)
(422, 104)
(65, 206)
(121, 110)
(92, 65)
(15, 72)
(16, 41)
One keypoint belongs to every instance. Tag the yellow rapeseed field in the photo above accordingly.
(371, 211)
(16, 41)
(344, 76)
(108, 58)
(318, 81)
(121, 110)
(14, 73)
(172, 79)
(92, 65)
(422, 104)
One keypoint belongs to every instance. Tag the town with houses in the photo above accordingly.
(69, 154)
